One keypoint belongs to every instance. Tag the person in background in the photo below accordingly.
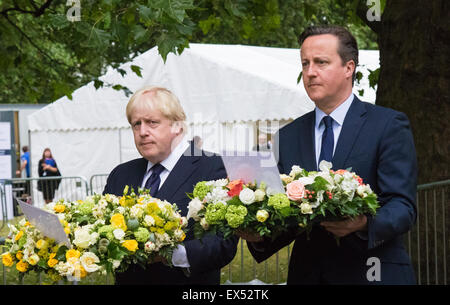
(25, 165)
(198, 142)
(263, 144)
(47, 167)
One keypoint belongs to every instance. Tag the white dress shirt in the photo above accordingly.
(338, 116)
(179, 256)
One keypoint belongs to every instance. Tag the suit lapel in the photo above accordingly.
(353, 121)
(136, 180)
(183, 169)
(308, 151)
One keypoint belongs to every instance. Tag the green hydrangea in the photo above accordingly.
(215, 213)
(279, 201)
(235, 215)
(86, 207)
(106, 231)
(142, 235)
(201, 189)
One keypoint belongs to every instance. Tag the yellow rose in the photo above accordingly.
(118, 222)
(22, 266)
(7, 259)
(130, 244)
(72, 253)
(18, 235)
(52, 261)
(33, 259)
(80, 271)
(67, 230)
(158, 220)
(19, 255)
(41, 244)
(27, 224)
(59, 208)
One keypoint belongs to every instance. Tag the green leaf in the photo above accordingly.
(137, 70)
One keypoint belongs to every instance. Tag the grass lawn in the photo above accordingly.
(242, 269)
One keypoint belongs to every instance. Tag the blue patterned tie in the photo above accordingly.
(326, 152)
(154, 180)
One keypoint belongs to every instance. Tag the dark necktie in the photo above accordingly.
(326, 152)
(154, 180)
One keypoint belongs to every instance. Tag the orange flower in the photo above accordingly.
(235, 187)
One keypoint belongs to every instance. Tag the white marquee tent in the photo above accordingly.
(227, 91)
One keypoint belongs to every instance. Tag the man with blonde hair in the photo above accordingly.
(170, 167)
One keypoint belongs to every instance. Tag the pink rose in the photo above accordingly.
(295, 190)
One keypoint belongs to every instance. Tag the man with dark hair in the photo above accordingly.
(376, 143)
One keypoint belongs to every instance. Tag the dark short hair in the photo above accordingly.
(348, 47)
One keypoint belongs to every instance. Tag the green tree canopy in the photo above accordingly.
(44, 56)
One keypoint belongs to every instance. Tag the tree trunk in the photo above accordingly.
(414, 43)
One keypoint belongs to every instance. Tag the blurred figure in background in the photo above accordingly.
(47, 168)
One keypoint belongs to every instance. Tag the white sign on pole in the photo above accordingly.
(254, 166)
(45, 222)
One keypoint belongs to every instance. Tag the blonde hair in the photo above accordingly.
(159, 98)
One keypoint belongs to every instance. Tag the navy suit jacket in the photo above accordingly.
(207, 256)
(377, 144)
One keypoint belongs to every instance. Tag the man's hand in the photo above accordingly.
(345, 227)
(249, 236)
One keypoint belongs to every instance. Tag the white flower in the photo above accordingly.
(247, 196)
(220, 183)
(184, 222)
(325, 166)
(259, 195)
(136, 211)
(195, 205)
(262, 215)
(65, 269)
(295, 170)
(149, 221)
(204, 224)
(217, 194)
(363, 190)
(119, 234)
(83, 238)
(306, 208)
(121, 210)
(89, 262)
(306, 180)
(319, 199)
(179, 234)
(150, 247)
(115, 263)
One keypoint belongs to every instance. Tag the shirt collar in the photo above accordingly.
(338, 114)
(175, 155)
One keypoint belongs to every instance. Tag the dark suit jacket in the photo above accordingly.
(377, 144)
(207, 256)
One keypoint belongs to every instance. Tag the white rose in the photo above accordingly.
(136, 211)
(184, 222)
(119, 234)
(295, 170)
(82, 238)
(259, 195)
(195, 205)
(89, 262)
(115, 264)
(325, 166)
(306, 180)
(306, 208)
(247, 196)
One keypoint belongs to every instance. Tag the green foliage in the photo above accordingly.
(47, 56)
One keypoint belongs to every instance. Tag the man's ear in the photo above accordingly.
(350, 68)
(177, 127)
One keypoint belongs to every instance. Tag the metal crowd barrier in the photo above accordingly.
(428, 242)
(97, 183)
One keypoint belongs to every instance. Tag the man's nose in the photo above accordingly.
(144, 130)
(310, 70)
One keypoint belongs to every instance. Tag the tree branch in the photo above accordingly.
(38, 11)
